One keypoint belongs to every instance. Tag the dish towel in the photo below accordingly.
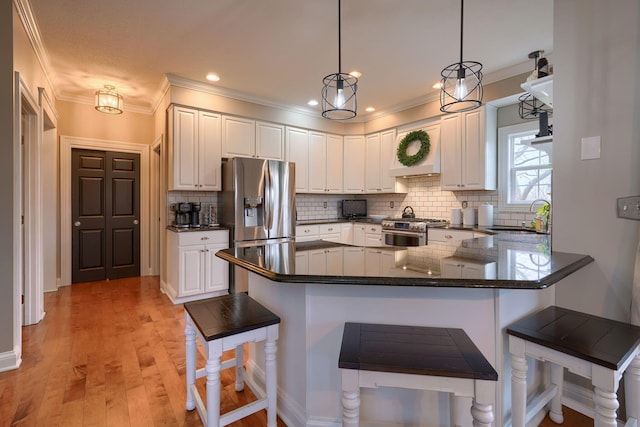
(635, 293)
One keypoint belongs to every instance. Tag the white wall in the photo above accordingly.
(596, 93)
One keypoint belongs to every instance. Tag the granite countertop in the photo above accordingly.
(502, 261)
(203, 228)
(333, 221)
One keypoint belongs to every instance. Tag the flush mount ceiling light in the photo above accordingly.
(108, 100)
(339, 91)
(461, 82)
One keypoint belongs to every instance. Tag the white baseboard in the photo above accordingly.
(10, 360)
(288, 410)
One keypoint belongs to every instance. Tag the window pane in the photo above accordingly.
(531, 184)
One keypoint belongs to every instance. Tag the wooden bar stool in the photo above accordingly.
(414, 357)
(222, 324)
(590, 346)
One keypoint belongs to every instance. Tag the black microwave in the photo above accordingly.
(352, 208)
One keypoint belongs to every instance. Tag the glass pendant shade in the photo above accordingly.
(461, 84)
(339, 100)
(108, 100)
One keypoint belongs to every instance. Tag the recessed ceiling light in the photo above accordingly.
(356, 74)
(369, 109)
(212, 77)
(437, 85)
(313, 103)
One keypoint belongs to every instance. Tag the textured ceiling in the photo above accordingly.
(279, 50)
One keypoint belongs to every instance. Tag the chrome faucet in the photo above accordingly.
(547, 226)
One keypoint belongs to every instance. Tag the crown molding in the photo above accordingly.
(240, 96)
(25, 13)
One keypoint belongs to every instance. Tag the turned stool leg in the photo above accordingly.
(213, 390)
(632, 388)
(350, 398)
(557, 377)
(270, 368)
(190, 361)
(518, 382)
(239, 368)
(482, 414)
(606, 408)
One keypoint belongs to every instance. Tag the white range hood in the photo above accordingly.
(430, 164)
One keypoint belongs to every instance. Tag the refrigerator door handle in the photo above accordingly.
(268, 195)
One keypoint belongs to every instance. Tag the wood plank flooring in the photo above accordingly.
(112, 354)
(108, 354)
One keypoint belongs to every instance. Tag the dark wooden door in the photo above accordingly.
(105, 213)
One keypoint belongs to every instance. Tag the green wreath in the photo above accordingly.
(425, 145)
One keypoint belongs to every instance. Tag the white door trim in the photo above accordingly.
(155, 231)
(67, 143)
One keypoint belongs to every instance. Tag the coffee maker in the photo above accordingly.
(194, 221)
(183, 215)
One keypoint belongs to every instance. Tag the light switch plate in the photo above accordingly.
(629, 207)
(590, 148)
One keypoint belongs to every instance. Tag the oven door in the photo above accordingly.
(404, 238)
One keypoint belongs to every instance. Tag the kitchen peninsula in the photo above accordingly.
(480, 285)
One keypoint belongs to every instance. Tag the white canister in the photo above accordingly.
(469, 217)
(456, 216)
(485, 215)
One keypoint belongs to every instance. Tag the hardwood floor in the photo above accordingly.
(108, 354)
(112, 354)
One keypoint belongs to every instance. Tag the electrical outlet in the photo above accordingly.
(465, 204)
(629, 207)
(391, 205)
(325, 205)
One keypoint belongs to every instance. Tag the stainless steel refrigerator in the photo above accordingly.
(257, 203)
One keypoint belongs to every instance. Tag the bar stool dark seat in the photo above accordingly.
(414, 357)
(593, 347)
(221, 324)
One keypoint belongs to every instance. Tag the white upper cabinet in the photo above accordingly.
(238, 137)
(469, 156)
(354, 164)
(297, 141)
(325, 163)
(249, 138)
(380, 149)
(269, 141)
(194, 150)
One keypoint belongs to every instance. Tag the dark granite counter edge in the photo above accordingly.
(411, 282)
(191, 230)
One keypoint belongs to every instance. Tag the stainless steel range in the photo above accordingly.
(409, 231)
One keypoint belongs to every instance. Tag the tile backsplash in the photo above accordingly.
(424, 196)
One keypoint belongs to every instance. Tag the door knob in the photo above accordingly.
(77, 223)
(135, 222)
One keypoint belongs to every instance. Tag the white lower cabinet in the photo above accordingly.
(373, 235)
(307, 233)
(346, 233)
(448, 235)
(353, 258)
(302, 263)
(462, 268)
(330, 232)
(193, 270)
(326, 262)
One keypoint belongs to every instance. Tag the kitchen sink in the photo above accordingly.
(506, 228)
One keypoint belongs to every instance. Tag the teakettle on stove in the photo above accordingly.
(408, 212)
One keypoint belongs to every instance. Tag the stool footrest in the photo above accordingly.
(540, 401)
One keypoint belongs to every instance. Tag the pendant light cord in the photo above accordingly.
(339, 38)
(461, 26)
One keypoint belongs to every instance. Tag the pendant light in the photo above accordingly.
(108, 100)
(461, 84)
(339, 91)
